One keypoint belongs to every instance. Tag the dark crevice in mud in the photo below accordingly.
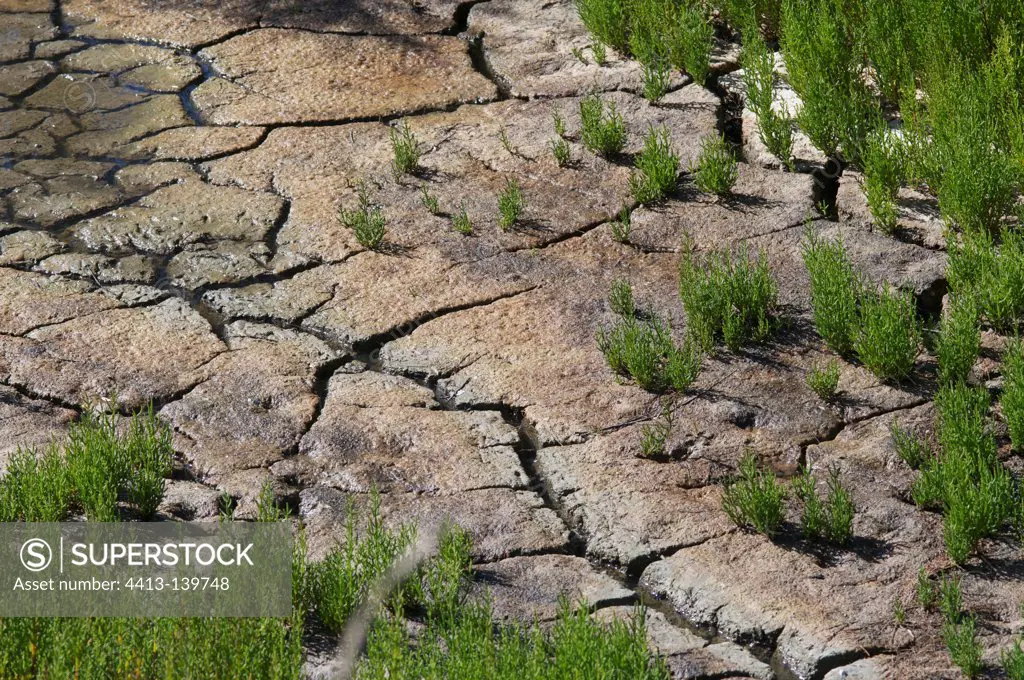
(477, 55)
(825, 191)
(196, 49)
(460, 17)
(526, 448)
(282, 218)
(321, 383)
(478, 58)
(388, 118)
(208, 73)
(929, 300)
(369, 349)
(28, 393)
(730, 114)
(833, 433)
(18, 100)
(762, 648)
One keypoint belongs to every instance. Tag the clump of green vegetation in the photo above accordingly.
(879, 326)
(775, 129)
(600, 53)
(715, 171)
(692, 38)
(950, 598)
(927, 593)
(470, 646)
(753, 17)
(959, 628)
(656, 78)
(824, 381)
(831, 519)
(965, 650)
(835, 288)
(406, 149)
(621, 299)
(912, 449)
(965, 480)
(622, 227)
(430, 201)
(728, 296)
(608, 21)
(602, 133)
(884, 170)
(959, 340)
(151, 649)
(652, 440)
(97, 466)
(992, 275)
(899, 612)
(642, 349)
(973, 122)
(561, 151)
(657, 168)
(341, 581)
(821, 60)
(367, 221)
(755, 498)
(1012, 401)
(1012, 660)
(35, 489)
(890, 337)
(510, 204)
(578, 53)
(461, 222)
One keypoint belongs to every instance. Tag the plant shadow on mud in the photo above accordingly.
(867, 548)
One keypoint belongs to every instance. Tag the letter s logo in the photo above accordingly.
(36, 554)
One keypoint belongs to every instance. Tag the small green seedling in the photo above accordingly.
(1012, 660)
(831, 519)
(430, 201)
(367, 221)
(824, 381)
(964, 647)
(461, 222)
(621, 227)
(656, 80)
(899, 612)
(653, 438)
(506, 142)
(657, 168)
(406, 149)
(558, 122)
(510, 204)
(603, 133)
(561, 151)
(621, 299)
(927, 592)
(912, 449)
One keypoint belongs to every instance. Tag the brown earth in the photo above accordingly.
(169, 231)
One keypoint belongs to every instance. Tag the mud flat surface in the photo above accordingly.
(170, 178)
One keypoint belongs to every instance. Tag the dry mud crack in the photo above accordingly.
(169, 189)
